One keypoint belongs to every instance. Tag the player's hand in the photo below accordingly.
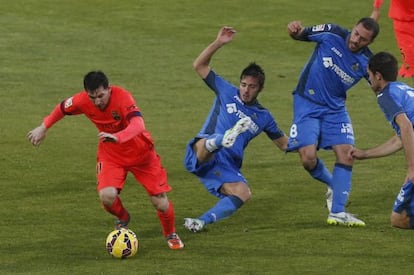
(294, 28)
(36, 135)
(226, 34)
(358, 154)
(107, 137)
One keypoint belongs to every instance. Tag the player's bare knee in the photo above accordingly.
(309, 161)
(400, 220)
(160, 202)
(107, 195)
(240, 190)
(246, 194)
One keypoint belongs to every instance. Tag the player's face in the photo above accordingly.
(100, 97)
(249, 89)
(359, 38)
(374, 82)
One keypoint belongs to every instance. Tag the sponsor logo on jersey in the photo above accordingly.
(336, 51)
(329, 64)
(348, 130)
(232, 109)
(401, 195)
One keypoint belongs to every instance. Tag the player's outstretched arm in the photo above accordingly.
(389, 147)
(201, 63)
(37, 135)
(376, 9)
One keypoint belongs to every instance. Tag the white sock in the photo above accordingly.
(211, 145)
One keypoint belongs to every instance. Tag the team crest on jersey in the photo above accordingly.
(355, 67)
(115, 115)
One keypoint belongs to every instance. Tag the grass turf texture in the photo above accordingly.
(51, 218)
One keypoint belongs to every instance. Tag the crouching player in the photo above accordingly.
(396, 100)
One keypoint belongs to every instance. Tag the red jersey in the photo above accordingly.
(402, 10)
(121, 108)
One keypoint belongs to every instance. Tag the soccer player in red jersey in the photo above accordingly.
(402, 14)
(124, 146)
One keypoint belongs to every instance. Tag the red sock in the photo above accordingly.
(117, 209)
(167, 220)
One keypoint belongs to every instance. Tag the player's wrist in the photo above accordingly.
(44, 127)
(377, 4)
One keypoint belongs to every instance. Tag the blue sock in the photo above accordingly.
(321, 173)
(223, 209)
(213, 142)
(342, 176)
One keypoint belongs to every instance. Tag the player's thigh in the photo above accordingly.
(218, 175)
(336, 129)
(110, 174)
(303, 133)
(403, 208)
(152, 175)
(405, 40)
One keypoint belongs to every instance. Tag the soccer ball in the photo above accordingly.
(122, 243)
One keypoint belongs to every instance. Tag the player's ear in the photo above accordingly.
(378, 76)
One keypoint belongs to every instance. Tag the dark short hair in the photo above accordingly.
(384, 63)
(371, 25)
(256, 71)
(95, 79)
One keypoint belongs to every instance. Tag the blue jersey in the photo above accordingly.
(227, 109)
(332, 68)
(397, 98)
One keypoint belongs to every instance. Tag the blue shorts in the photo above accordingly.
(214, 173)
(319, 125)
(404, 200)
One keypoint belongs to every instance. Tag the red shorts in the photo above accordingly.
(150, 174)
(405, 40)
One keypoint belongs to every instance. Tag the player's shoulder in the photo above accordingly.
(79, 97)
(120, 93)
(119, 90)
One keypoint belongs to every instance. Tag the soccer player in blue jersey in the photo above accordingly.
(320, 117)
(396, 100)
(215, 155)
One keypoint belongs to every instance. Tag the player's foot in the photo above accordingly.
(194, 225)
(231, 134)
(344, 218)
(122, 224)
(329, 198)
(174, 242)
